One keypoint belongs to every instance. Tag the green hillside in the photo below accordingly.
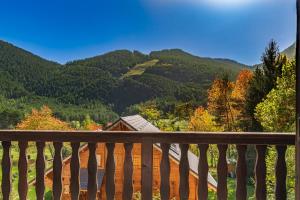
(107, 83)
(29, 70)
(173, 69)
(290, 52)
(28, 81)
(115, 62)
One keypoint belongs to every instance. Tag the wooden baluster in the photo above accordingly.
(128, 171)
(203, 172)
(260, 173)
(222, 169)
(147, 174)
(75, 171)
(40, 171)
(184, 172)
(57, 171)
(22, 166)
(110, 172)
(281, 171)
(241, 173)
(165, 172)
(6, 170)
(92, 172)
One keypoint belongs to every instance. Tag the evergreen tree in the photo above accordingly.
(272, 64)
(264, 80)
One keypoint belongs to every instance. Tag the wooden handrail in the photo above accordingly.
(155, 137)
(147, 139)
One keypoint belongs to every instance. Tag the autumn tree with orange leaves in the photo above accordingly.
(219, 102)
(42, 119)
(226, 100)
(241, 85)
(238, 97)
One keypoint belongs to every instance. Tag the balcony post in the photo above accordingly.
(297, 142)
(147, 166)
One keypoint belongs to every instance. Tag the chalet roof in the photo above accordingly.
(138, 123)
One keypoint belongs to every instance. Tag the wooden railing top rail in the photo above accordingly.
(262, 138)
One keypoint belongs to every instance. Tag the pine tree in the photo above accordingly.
(264, 80)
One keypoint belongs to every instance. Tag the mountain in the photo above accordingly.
(115, 62)
(290, 52)
(115, 80)
(170, 73)
(24, 68)
(26, 83)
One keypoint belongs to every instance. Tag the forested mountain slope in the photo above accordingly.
(117, 79)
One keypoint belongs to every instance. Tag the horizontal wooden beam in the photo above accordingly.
(154, 137)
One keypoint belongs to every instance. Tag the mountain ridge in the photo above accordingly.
(290, 52)
(175, 74)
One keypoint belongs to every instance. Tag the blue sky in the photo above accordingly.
(64, 30)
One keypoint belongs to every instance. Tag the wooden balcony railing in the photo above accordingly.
(241, 140)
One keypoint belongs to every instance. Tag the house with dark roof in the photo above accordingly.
(132, 123)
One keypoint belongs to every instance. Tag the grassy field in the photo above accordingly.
(140, 68)
(231, 184)
(231, 191)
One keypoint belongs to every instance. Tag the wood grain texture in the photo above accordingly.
(128, 172)
(40, 171)
(6, 170)
(92, 172)
(202, 172)
(75, 171)
(155, 137)
(260, 173)
(222, 170)
(297, 139)
(241, 173)
(57, 171)
(22, 167)
(280, 172)
(147, 174)
(110, 172)
(184, 168)
(165, 172)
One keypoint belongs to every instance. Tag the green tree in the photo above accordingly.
(277, 111)
(272, 64)
(263, 81)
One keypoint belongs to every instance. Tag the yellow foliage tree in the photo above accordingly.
(203, 121)
(219, 102)
(42, 120)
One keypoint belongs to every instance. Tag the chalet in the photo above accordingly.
(131, 123)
